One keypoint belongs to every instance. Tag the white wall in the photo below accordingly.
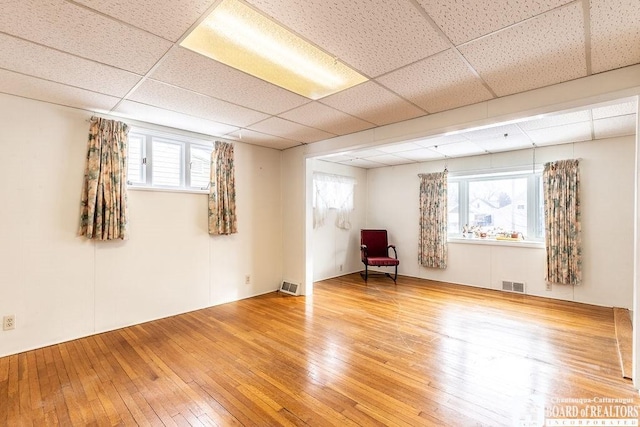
(333, 247)
(607, 194)
(294, 219)
(61, 286)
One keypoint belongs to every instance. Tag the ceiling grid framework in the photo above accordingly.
(539, 52)
(159, 17)
(422, 56)
(453, 48)
(613, 119)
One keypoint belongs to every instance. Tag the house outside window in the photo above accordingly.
(495, 204)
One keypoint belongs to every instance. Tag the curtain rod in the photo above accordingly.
(154, 127)
(519, 168)
(94, 116)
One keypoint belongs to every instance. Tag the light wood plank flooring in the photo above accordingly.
(419, 353)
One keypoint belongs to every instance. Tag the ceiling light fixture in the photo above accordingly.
(239, 36)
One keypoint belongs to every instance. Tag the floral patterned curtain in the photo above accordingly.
(433, 220)
(222, 191)
(561, 181)
(103, 213)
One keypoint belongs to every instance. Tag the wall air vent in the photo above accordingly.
(517, 287)
(290, 288)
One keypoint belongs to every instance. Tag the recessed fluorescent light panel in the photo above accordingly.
(240, 37)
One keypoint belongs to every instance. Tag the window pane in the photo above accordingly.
(167, 160)
(453, 208)
(135, 168)
(499, 205)
(200, 166)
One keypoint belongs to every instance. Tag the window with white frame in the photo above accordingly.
(496, 203)
(167, 161)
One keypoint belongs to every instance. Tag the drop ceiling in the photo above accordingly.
(420, 57)
(608, 120)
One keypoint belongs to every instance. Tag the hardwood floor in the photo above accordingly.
(419, 353)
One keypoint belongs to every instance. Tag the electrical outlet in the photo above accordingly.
(247, 279)
(340, 267)
(9, 322)
(548, 286)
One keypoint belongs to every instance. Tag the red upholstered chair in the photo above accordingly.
(374, 250)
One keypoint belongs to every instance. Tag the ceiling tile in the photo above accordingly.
(441, 140)
(501, 143)
(466, 20)
(74, 29)
(167, 18)
(335, 158)
(389, 160)
(264, 140)
(56, 93)
(173, 98)
(615, 34)
(438, 83)
(323, 117)
(290, 130)
(373, 103)
(615, 126)
(458, 149)
(366, 153)
(421, 155)
(147, 113)
(563, 134)
(556, 120)
(543, 51)
(620, 109)
(494, 132)
(187, 69)
(373, 36)
(397, 148)
(363, 163)
(38, 61)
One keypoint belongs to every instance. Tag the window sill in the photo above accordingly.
(167, 189)
(494, 242)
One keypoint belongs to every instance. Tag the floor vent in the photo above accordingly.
(517, 287)
(290, 288)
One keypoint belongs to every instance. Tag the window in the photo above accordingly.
(509, 202)
(136, 173)
(166, 164)
(453, 206)
(332, 192)
(200, 165)
(158, 160)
